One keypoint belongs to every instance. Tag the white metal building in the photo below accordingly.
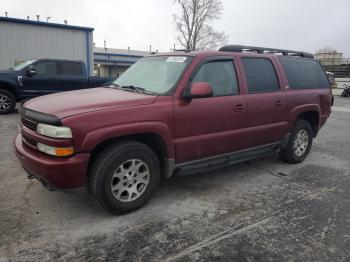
(22, 40)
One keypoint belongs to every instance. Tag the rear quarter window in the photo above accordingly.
(304, 73)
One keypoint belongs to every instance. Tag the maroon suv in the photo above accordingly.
(172, 113)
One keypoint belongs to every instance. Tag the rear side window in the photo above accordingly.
(260, 75)
(221, 75)
(71, 69)
(45, 68)
(304, 73)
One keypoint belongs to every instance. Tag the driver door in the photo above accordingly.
(215, 125)
(45, 81)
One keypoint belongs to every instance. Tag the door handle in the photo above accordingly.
(238, 107)
(278, 102)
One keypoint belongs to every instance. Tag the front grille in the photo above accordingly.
(29, 124)
(29, 141)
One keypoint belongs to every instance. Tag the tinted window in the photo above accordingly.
(221, 75)
(45, 68)
(260, 75)
(72, 69)
(304, 73)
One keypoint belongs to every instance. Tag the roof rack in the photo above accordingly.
(182, 50)
(264, 50)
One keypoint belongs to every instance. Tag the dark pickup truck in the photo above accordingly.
(41, 77)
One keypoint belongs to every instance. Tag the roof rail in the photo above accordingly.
(264, 50)
(182, 50)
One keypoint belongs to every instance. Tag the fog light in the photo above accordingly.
(55, 151)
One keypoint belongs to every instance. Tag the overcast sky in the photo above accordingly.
(306, 25)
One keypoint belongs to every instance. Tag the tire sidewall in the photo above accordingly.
(12, 99)
(105, 193)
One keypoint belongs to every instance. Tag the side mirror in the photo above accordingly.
(31, 70)
(200, 90)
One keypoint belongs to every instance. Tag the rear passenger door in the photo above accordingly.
(73, 76)
(266, 102)
(215, 125)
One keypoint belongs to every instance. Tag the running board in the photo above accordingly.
(220, 161)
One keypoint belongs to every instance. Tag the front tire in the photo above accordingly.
(124, 176)
(7, 102)
(299, 144)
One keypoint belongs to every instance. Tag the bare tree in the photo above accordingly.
(193, 24)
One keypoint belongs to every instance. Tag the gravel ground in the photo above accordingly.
(264, 210)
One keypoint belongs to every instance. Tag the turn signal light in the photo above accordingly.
(56, 151)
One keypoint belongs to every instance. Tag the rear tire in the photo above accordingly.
(124, 176)
(7, 102)
(299, 144)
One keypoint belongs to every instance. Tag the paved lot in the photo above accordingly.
(266, 210)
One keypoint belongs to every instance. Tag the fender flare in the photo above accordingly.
(98, 136)
(296, 111)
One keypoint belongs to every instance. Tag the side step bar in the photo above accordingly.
(217, 162)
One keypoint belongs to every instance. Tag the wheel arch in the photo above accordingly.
(157, 137)
(309, 113)
(10, 88)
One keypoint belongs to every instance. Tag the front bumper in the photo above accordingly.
(57, 173)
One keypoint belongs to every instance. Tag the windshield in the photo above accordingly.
(23, 65)
(154, 74)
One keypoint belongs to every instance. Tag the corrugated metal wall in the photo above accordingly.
(20, 41)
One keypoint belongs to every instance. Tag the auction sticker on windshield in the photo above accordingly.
(177, 59)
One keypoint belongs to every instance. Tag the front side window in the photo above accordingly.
(71, 69)
(260, 75)
(46, 68)
(157, 74)
(304, 73)
(221, 75)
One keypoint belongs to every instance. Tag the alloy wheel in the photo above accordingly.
(130, 180)
(301, 142)
(5, 102)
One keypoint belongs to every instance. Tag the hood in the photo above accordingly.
(8, 72)
(82, 101)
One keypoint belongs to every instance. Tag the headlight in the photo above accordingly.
(54, 131)
(55, 151)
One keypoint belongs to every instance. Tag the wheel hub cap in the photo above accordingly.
(130, 180)
(301, 142)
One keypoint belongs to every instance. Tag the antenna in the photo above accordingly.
(38, 17)
(65, 22)
(48, 18)
(28, 17)
(6, 14)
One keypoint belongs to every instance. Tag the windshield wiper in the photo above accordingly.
(113, 85)
(134, 88)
